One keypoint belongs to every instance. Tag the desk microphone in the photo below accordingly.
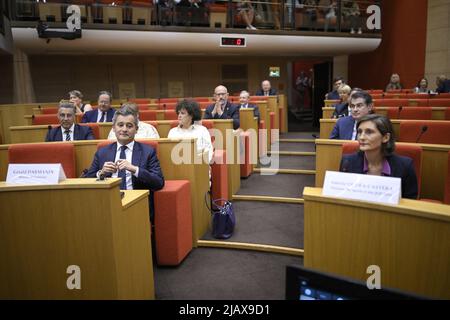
(49, 127)
(399, 111)
(422, 131)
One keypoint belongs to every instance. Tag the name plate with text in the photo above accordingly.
(363, 187)
(35, 173)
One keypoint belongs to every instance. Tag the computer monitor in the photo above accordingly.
(307, 284)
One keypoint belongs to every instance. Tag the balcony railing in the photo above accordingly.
(296, 15)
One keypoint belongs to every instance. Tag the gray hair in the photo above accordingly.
(67, 105)
(126, 110)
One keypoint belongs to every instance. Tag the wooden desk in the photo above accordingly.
(409, 242)
(46, 228)
(192, 169)
(434, 165)
(438, 113)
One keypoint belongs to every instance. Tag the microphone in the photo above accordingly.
(399, 111)
(49, 127)
(422, 131)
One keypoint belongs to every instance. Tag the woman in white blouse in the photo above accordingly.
(188, 112)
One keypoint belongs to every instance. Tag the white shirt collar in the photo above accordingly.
(129, 146)
(71, 129)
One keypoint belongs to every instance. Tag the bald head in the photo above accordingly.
(221, 94)
(265, 85)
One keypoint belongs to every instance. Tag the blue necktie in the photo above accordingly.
(122, 173)
(102, 119)
(67, 132)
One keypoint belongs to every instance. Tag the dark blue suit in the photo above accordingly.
(230, 112)
(343, 129)
(91, 116)
(79, 133)
(333, 95)
(260, 92)
(444, 87)
(340, 110)
(255, 110)
(149, 177)
(401, 167)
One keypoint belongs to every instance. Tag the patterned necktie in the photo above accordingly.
(102, 119)
(122, 173)
(67, 132)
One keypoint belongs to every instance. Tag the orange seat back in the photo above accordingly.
(447, 183)
(434, 132)
(62, 152)
(170, 115)
(95, 128)
(439, 102)
(41, 119)
(411, 113)
(147, 115)
(49, 110)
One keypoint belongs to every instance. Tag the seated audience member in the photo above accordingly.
(351, 13)
(341, 109)
(246, 11)
(68, 130)
(422, 86)
(334, 95)
(136, 163)
(76, 97)
(394, 83)
(189, 113)
(222, 108)
(443, 84)
(104, 112)
(244, 97)
(266, 89)
(330, 14)
(360, 104)
(190, 12)
(376, 154)
(145, 130)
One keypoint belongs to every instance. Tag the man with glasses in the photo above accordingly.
(359, 106)
(68, 130)
(222, 108)
(104, 112)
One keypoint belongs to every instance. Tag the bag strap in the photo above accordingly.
(214, 203)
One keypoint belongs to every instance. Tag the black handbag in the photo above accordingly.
(223, 218)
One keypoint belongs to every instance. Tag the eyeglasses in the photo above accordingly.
(221, 94)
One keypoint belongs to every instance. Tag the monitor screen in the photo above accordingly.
(307, 284)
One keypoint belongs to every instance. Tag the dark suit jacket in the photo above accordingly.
(401, 167)
(255, 110)
(343, 128)
(340, 110)
(272, 92)
(444, 87)
(79, 133)
(150, 176)
(91, 116)
(333, 95)
(230, 112)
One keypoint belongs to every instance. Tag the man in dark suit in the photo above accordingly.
(443, 84)
(334, 95)
(266, 89)
(68, 130)
(222, 108)
(359, 106)
(136, 163)
(104, 112)
(244, 97)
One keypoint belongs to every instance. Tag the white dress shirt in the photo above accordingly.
(145, 131)
(194, 131)
(70, 130)
(128, 155)
(99, 115)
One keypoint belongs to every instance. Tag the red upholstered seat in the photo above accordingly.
(168, 100)
(417, 96)
(40, 119)
(390, 102)
(437, 132)
(147, 115)
(447, 182)
(153, 123)
(167, 106)
(142, 106)
(95, 128)
(173, 222)
(411, 113)
(439, 102)
(412, 151)
(170, 115)
(49, 110)
(61, 152)
(447, 113)
(140, 101)
(375, 91)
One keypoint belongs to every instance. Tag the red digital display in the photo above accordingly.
(232, 42)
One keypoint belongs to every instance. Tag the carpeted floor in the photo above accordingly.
(223, 274)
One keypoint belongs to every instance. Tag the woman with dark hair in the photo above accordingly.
(422, 86)
(76, 97)
(188, 112)
(376, 154)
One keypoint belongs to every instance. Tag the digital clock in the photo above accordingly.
(232, 42)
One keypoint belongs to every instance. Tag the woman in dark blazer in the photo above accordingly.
(376, 154)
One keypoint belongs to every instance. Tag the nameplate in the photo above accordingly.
(363, 187)
(35, 173)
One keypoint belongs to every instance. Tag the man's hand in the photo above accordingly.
(218, 108)
(109, 167)
(123, 164)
